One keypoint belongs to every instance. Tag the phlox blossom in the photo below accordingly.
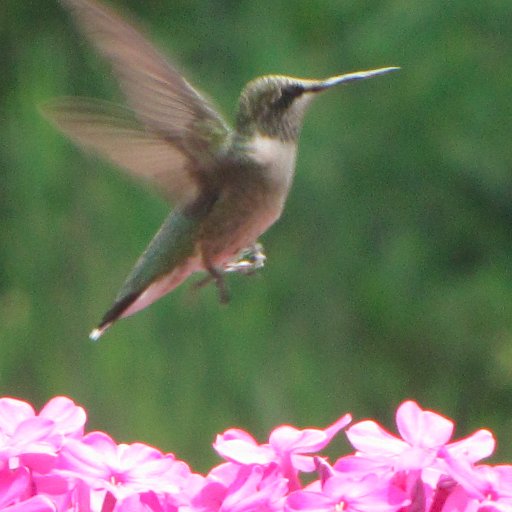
(478, 487)
(97, 459)
(33, 440)
(235, 488)
(48, 464)
(423, 434)
(287, 447)
(344, 492)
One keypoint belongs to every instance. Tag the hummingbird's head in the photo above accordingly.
(274, 105)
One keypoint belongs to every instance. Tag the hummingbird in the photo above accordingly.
(227, 185)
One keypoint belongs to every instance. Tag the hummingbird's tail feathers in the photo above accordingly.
(96, 333)
(112, 132)
(113, 314)
(159, 95)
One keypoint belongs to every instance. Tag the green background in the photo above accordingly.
(388, 275)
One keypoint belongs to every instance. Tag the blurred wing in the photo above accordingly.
(113, 133)
(161, 98)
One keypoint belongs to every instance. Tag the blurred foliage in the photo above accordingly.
(389, 275)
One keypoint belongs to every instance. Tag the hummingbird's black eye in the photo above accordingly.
(288, 95)
(295, 90)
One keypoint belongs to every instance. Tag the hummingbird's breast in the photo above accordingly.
(254, 184)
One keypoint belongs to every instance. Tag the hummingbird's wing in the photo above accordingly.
(159, 96)
(113, 132)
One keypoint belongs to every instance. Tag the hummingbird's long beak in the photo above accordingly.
(317, 86)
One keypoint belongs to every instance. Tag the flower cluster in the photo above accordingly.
(48, 464)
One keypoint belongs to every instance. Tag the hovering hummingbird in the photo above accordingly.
(228, 185)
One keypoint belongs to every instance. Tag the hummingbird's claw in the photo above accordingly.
(249, 260)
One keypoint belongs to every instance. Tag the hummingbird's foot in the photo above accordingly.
(249, 260)
(218, 276)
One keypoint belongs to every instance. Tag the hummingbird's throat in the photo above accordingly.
(274, 155)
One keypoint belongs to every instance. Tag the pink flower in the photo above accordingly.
(69, 419)
(286, 447)
(423, 434)
(33, 440)
(121, 469)
(48, 465)
(234, 488)
(343, 492)
(484, 488)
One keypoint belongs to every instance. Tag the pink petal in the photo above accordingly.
(473, 481)
(82, 460)
(290, 439)
(309, 501)
(245, 485)
(422, 428)
(371, 439)
(343, 487)
(414, 457)
(236, 433)
(266, 498)
(479, 445)
(35, 430)
(136, 454)
(145, 502)
(459, 501)
(153, 473)
(251, 491)
(304, 463)
(52, 484)
(13, 412)
(370, 493)
(225, 473)
(286, 438)
(42, 461)
(193, 485)
(333, 429)
(101, 442)
(357, 465)
(35, 443)
(210, 497)
(179, 470)
(504, 473)
(104, 447)
(34, 504)
(14, 485)
(69, 417)
(243, 452)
